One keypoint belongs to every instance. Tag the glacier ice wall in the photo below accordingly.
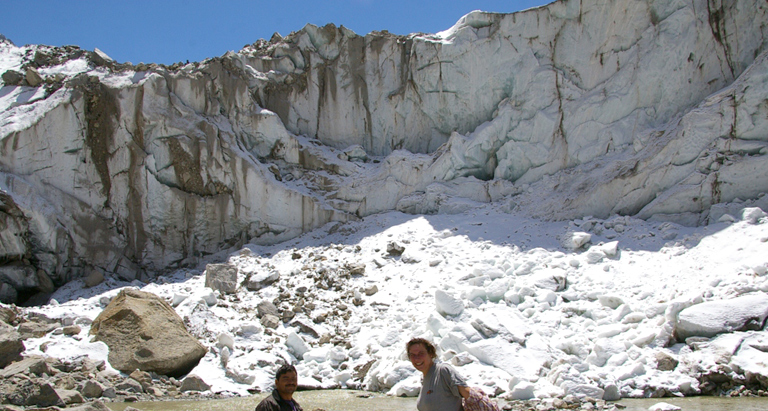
(593, 107)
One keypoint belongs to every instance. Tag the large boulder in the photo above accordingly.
(711, 318)
(11, 345)
(222, 277)
(144, 332)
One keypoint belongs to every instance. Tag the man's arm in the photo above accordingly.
(464, 391)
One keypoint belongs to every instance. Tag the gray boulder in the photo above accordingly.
(222, 277)
(258, 280)
(144, 332)
(11, 345)
(711, 318)
(70, 396)
(92, 389)
(12, 78)
(33, 392)
(266, 307)
(194, 383)
(32, 365)
(33, 77)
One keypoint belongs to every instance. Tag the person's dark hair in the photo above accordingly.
(285, 369)
(427, 345)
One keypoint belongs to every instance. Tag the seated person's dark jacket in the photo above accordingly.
(275, 403)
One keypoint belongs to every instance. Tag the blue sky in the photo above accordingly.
(167, 31)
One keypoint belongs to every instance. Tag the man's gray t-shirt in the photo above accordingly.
(440, 389)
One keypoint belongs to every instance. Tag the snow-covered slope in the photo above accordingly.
(521, 307)
(579, 108)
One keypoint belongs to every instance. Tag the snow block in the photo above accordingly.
(711, 318)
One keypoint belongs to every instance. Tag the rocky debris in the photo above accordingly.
(221, 277)
(144, 332)
(395, 249)
(708, 319)
(270, 321)
(194, 383)
(266, 307)
(37, 326)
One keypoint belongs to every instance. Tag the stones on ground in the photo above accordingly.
(11, 345)
(369, 291)
(270, 321)
(36, 328)
(12, 78)
(92, 389)
(665, 362)
(221, 277)
(708, 319)
(32, 365)
(33, 77)
(28, 392)
(70, 396)
(394, 249)
(71, 330)
(266, 307)
(144, 332)
(356, 268)
(257, 280)
(194, 383)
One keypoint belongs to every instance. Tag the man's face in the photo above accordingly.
(286, 384)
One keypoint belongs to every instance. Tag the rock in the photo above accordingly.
(70, 396)
(143, 332)
(33, 392)
(33, 77)
(193, 383)
(11, 345)
(665, 362)
(447, 304)
(12, 78)
(92, 389)
(356, 268)
(8, 315)
(708, 319)
(270, 321)
(258, 280)
(71, 330)
(369, 291)
(221, 277)
(394, 249)
(94, 278)
(101, 58)
(32, 365)
(142, 378)
(266, 307)
(129, 385)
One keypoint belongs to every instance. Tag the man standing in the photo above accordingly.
(286, 381)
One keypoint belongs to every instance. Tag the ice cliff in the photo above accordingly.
(655, 109)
